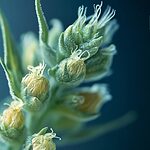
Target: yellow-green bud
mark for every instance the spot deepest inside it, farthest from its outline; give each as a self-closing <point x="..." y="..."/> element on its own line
<point x="35" y="84"/>
<point x="44" y="141"/>
<point x="12" y="121"/>
<point x="72" y="70"/>
<point x="13" y="116"/>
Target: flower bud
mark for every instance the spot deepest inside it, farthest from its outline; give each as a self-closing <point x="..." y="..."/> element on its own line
<point x="42" y="140"/>
<point x="12" y="120"/>
<point x="90" y="102"/>
<point x="94" y="98"/>
<point x="88" y="33"/>
<point x="34" y="84"/>
<point x="72" y="70"/>
<point x="87" y="100"/>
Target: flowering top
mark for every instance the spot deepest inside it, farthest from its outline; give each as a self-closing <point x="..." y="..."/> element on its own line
<point x="81" y="53"/>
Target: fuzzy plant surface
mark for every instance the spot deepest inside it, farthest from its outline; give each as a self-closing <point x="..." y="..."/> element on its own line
<point x="45" y="78"/>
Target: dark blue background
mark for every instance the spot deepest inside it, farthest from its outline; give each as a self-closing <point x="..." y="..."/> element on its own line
<point x="129" y="82"/>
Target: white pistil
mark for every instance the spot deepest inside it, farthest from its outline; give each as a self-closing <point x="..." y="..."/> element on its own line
<point x="38" y="70"/>
<point x="97" y="13"/>
<point x="52" y="135"/>
<point x="107" y="16"/>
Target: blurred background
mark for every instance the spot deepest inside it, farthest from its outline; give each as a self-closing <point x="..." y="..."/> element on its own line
<point x="129" y="82"/>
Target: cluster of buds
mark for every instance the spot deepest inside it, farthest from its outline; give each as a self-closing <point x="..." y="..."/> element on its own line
<point x="81" y="53"/>
<point x="84" y="50"/>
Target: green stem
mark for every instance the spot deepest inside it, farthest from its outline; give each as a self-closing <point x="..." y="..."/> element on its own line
<point x="14" y="146"/>
<point x="36" y="120"/>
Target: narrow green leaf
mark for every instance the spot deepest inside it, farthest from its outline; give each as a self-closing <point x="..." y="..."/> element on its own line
<point x="43" y="27"/>
<point x="11" y="58"/>
<point x="11" y="82"/>
<point x="48" y="53"/>
<point x="43" y="131"/>
<point x="75" y="115"/>
<point x="88" y="133"/>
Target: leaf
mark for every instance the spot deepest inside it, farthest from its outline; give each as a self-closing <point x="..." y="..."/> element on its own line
<point x="43" y="131"/>
<point x="43" y="27"/>
<point x="74" y="115"/>
<point x="109" y="31"/>
<point x="88" y="133"/>
<point x="14" y="92"/>
<point x="11" y="58"/>
<point x="47" y="52"/>
<point x="61" y="54"/>
<point x="98" y="66"/>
